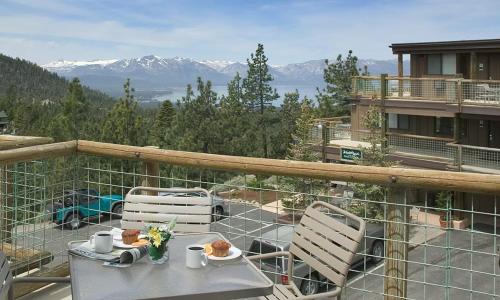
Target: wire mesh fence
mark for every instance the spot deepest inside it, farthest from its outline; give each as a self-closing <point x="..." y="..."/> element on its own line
<point x="421" y="145"/>
<point x="472" y="156"/>
<point x="481" y="92"/>
<point x="50" y="202"/>
<point x="430" y="89"/>
<point x="438" y="89"/>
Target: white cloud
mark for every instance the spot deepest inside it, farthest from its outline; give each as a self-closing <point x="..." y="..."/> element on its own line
<point x="302" y="30"/>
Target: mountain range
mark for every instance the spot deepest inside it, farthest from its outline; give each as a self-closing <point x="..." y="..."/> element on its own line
<point x="153" y="73"/>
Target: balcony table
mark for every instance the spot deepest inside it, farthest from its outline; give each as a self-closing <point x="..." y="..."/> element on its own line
<point x="237" y="278"/>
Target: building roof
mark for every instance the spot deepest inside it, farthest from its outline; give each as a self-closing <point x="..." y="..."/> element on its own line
<point x="3" y="114"/>
<point x="447" y="46"/>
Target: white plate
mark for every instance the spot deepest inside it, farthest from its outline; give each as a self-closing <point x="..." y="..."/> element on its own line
<point x="120" y="244"/>
<point x="233" y="253"/>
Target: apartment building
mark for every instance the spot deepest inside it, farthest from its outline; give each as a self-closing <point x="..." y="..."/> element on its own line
<point x="445" y="115"/>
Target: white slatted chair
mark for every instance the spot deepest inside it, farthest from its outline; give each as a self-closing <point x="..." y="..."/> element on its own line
<point x="7" y="282"/>
<point x="194" y="214"/>
<point x="324" y="243"/>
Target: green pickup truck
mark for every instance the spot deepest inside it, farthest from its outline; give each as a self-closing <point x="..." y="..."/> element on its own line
<point x="77" y="205"/>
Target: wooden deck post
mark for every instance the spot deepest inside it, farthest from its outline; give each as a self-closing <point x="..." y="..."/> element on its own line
<point x="6" y="204"/>
<point x="396" y="246"/>
<point x="151" y="172"/>
<point x="383" y="93"/>
<point x="400" y="75"/>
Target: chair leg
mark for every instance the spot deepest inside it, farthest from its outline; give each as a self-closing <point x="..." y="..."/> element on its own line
<point x="10" y="295"/>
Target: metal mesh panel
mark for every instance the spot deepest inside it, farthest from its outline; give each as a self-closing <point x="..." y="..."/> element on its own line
<point x="480" y="157"/>
<point x="481" y="92"/>
<point x="422" y="88"/>
<point x="367" y="86"/>
<point x="432" y="89"/>
<point x="457" y="261"/>
<point x="421" y="145"/>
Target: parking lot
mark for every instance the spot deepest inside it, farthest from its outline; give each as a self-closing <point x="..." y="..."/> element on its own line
<point x="427" y="267"/>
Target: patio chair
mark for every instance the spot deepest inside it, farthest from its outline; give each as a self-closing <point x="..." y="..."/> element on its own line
<point x="192" y="207"/>
<point x="7" y="282"/>
<point x="326" y="244"/>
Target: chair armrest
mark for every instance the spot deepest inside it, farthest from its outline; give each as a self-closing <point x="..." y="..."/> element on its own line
<point x="274" y="254"/>
<point x="269" y="255"/>
<point x="333" y="293"/>
<point x="10" y="295"/>
<point x="41" y="279"/>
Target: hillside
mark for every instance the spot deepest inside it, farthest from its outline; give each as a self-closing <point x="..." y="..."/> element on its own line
<point x="34" y="83"/>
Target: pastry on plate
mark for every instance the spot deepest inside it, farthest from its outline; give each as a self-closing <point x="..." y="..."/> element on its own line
<point x="208" y="249"/>
<point x="140" y="243"/>
<point x="220" y="248"/>
<point x="130" y="236"/>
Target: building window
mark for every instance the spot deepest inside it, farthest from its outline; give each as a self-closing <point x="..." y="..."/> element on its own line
<point x="442" y="64"/>
<point x="434" y="64"/>
<point x="449" y="64"/>
<point x="392" y="121"/>
<point x="403" y="122"/>
<point x="443" y="126"/>
<point x="397" y="121"/>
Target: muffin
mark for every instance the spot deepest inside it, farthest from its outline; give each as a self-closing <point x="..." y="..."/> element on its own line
<point x="220" y="248"/>
<point x="130" y="236"/>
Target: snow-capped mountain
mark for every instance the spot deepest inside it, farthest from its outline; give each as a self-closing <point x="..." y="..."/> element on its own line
<point x="66" y="65"/>
<point x="218" y="65"/>
<point x="152" y="72"/>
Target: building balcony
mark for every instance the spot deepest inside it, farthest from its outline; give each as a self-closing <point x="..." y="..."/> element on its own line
<point x="418" y="259"/>
<point x="452" y="91"/>
<point x="412" y="150"/>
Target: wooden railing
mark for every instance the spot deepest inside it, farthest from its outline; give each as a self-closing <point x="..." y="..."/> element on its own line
<point x="441" y="89"/>
<point x="398" y="181"/>
<point x="421" y="145"/>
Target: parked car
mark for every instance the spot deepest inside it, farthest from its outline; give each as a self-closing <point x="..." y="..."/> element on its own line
<point x="308" y="280"/>
<point x="219" y="205"/>
<point x="77" y="205"/>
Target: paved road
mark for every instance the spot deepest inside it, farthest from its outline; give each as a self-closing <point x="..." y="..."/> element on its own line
<point x="427" y="268"/>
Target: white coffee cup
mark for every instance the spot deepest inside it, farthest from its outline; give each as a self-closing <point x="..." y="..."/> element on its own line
<point x="196" y="257"/>
<point x="102" y="242"/>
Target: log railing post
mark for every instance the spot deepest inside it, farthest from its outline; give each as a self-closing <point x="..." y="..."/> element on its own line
<point x="400" y="75"/>
<point x="396" y="246"/>
<point x="383" y="95"/>
<point x="151" y="174"/>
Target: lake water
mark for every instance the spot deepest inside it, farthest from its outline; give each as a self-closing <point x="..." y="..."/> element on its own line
<point x="179" y="92"/>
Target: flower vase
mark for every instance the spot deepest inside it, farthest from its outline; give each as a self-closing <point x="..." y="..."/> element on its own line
<point x="158" y="255"/>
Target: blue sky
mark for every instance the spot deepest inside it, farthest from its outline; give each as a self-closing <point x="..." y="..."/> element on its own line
<point x="292" y="31"/>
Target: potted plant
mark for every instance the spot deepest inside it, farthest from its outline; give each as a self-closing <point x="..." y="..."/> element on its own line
<point x="443" y="203"/>
<point x="158" y="237"/>
<point x="443" y="220"/>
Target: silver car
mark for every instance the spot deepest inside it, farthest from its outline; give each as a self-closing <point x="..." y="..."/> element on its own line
<point x="219" y="205"/>
<point x="307" y="279"/>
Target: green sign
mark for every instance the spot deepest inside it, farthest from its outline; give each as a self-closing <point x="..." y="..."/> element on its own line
<point x="347" y="154"/>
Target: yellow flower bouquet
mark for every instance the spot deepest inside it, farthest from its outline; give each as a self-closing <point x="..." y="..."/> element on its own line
<point x="158" y="237"/>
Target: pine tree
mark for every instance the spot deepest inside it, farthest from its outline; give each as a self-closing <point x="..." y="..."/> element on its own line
<point x="237" y="134"/>
<point x="162" y="124"/>
<point x="194" y="127"/>
<point x="258" y="92"/>
<point x="300" y="150"/>
<point x="290" y="112"/>
<point x="123" y="124"/>
<point x="373" y="155"/>
<point x="334" y="99"/>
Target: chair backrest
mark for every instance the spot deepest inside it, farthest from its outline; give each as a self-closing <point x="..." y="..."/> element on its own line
<point x="192" y="207"/>
<point x="327" y="239"/>
<point x="5" y="276"/>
